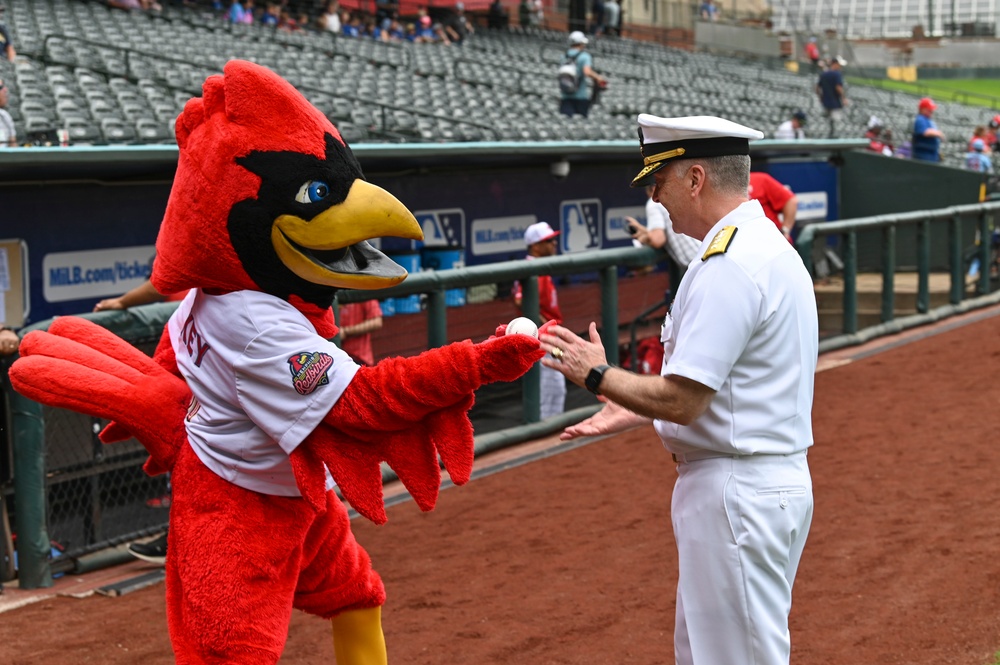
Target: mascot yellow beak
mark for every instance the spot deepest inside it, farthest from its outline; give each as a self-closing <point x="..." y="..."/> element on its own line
<point x="331" y="248"/>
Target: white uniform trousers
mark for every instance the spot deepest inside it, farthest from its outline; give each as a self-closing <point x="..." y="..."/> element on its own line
<point x="553" y="392"/>
<point x="740" y="524"/>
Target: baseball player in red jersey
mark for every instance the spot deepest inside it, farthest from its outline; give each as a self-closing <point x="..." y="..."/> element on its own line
<point x="774" y="198"/>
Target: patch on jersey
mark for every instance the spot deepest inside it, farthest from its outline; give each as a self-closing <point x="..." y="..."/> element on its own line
<point x="720" y="243"/>
<point x="309" y="370"/>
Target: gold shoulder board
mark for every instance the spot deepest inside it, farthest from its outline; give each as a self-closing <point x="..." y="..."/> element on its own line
<point x="720" y="243"/>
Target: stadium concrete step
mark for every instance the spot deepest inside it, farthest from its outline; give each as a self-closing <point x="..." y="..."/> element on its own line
<point x="830" y="298"/>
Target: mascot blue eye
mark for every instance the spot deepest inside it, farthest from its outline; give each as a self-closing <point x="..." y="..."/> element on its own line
<point x="312" y="191"/>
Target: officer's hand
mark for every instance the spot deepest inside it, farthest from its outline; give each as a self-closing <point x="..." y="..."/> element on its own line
<point x="573" y="356"/>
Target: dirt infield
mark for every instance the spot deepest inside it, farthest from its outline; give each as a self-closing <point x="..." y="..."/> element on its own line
<point x="571" y="560"/>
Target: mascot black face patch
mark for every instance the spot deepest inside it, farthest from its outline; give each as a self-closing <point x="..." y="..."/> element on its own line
<point x="292" y="183"/>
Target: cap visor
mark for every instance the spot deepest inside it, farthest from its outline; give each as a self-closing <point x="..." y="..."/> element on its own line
<point x="646" y="176"/>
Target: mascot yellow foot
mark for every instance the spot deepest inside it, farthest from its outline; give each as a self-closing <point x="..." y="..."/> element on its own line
<point x="358" y="639"/>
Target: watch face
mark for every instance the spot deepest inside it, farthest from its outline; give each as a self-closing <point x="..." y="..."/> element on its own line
<point x="593" y="380"/>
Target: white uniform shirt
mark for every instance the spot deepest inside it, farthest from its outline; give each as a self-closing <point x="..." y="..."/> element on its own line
<point x="744" y="324"/>
<point x="787" y="131"/>
<point x="682" y="249"/>
<point x="7" y="129"/>
<point x="263" y="379"/>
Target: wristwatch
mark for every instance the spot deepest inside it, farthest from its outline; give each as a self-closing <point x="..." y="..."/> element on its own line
<point x="593" y="380"/>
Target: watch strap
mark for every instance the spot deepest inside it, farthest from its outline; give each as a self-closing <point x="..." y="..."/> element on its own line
<point x="594" y="378"/>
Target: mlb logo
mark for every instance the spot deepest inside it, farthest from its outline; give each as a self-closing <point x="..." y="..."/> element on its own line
<point x="581" y="225"/>
<point x="442" y="228"/>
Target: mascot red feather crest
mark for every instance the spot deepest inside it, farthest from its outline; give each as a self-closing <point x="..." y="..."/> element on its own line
<point x="256" y="414"/>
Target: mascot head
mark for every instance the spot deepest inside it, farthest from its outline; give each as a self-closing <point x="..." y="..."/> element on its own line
<point x="268" y="197"/>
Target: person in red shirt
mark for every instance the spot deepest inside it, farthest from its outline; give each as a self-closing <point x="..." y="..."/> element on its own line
<point x="774" y="198"/>
<point x="543" y="241"/>
<point x="357" y="321"/>
<point x="812" y="52"/>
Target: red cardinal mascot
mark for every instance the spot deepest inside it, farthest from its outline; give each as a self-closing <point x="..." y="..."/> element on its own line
<point x="256" y="414"/>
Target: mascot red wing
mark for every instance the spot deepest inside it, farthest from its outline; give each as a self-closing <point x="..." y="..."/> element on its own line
<point x="245" y="401"/>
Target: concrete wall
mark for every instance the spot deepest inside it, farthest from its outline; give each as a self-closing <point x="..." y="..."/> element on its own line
<point x="736" y="38"/>
<point x="970" y="53"/>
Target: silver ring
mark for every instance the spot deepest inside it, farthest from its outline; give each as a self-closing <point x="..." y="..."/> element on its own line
<point x="557" y="353"/>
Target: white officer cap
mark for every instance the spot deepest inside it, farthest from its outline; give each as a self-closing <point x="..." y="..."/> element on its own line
<point x="663" y="139"/>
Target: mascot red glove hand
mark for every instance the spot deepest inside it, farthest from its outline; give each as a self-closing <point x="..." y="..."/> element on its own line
<point x="407" y="424"/>
<point x="502" y="328"/>
<point x="81" y="366"/>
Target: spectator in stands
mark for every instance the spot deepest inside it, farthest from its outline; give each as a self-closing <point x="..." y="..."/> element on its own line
<point x="926" y="135"/>
<point x="659" y="232"/>
<point x="793" y="128"/>
<point x="832" y="95"/>
<point x="497" y="17"/>
<point x="6" y="43"/>
<point x="352" y="26"/>
<point x="357" y="322"/>
<point x="708" y="11"/>
<point x="8" y="132"/>
<point x="370" y="30"/>
<point x="779" y="203"/>
<point x="879" y="137"/>
<point x="977" y="159"/>
<point x="395" y="32"/>
<point x="991" y="134"/>
<point x="812" y="52"/>
<point x="578" y="101"/>
<point x="329" y="20"/>
<point x="524" y="14"/>
<point x="272" y="15"/>
<point x="237" y="13"/>
<point x="538" y="18"/>
<point x="542" y="241"/>
<point x="596" y="17"/>
<point x="458" y="27"/>
<point x="425" y="31"/>
<point x="980" y="132"/>
<point x="612" y="15"/>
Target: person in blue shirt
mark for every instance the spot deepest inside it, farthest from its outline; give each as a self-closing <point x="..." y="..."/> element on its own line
<point x="977" y="159"/>
<point x="708" y="11"/>
<point x="578" y="101"/>
<point x="830" y="88"/>
<point x="926" y="135"/>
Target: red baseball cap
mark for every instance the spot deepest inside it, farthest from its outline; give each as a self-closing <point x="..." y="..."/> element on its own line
<point x="927" y="103"/>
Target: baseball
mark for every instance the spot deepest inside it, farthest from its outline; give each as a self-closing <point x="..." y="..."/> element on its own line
<point x="522" y="325"/>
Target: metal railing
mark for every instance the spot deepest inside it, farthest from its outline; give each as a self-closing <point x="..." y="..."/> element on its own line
<point x="34" y="482"/>
<point x="435" y="283"/>
<point x="952" y="218"/>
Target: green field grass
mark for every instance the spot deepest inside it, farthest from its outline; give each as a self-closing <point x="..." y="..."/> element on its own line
<point x="975" y="92"/>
